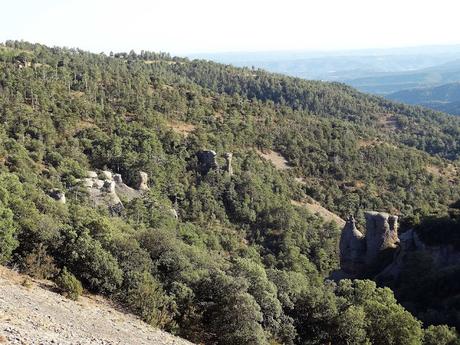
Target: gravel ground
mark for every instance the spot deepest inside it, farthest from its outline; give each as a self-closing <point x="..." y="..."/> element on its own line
<point x="36" y="315"/>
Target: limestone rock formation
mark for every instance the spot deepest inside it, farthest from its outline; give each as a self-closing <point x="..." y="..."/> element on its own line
<point x="142" y="181"/>
<point x="174" y="213"/>
<point x="109" y="190"/>
<point x="381" y="233"/>
<point x="107" y="175"/>
<point x="352" y="248"/>
<point x="207" y="161"/>
<point x="117" y="178"/>
<point x="91" y="174"/>
<point x="358" y="252"/>
<point x="228" y="163"/>
<point x="125" y="191"/>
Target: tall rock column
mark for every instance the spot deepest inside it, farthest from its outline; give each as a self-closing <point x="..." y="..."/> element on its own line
<point x="381" y="233"/>
<point x="228" y="163"/>
<point x="352" y="248"/>
<point x="142" y="181"/>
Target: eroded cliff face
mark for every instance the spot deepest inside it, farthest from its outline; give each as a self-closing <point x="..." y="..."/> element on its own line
<point x="352" y="248"/>
<point x="358" y="252"/>
<point x="361" y="253"/>
<point x="381" y="233"/>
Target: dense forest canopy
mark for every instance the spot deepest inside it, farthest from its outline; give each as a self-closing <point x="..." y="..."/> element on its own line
<point x="237" y="262"/>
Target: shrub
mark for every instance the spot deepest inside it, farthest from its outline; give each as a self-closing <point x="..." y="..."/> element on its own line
<point x="69" y="284"/>
<point x="39" y="264"/>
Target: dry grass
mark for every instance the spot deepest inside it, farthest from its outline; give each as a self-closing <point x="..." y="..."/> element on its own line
<point x="301" y="180"/>
<point x="315" y="208"/>
<point x="77" y="94"/>
<point x="276" y="159"/>
<point x="182" y="128"/>
<point x="450" y="172"/>
<point x="366" y="143"/>
<point x="387" y="121"/>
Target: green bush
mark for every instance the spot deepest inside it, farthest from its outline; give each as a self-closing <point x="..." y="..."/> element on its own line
<point x="69" y="284"/>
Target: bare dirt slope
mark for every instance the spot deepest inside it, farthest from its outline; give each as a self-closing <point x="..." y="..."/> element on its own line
<point x="36" y="315"/>
<point x="314" y="207"/>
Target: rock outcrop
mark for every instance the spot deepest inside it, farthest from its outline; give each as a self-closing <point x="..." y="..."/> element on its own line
<point x="365" y="255"/>
<point x="207" y="161"/>
<point x="228" y="163"/>
<point x="352" y="248"/>
<point x="107" y="175"/>
<point x="142" y="181"/>
<point x="381" y="233"/>
<point x="109" y="190"/>
<point x="358" y="252"/>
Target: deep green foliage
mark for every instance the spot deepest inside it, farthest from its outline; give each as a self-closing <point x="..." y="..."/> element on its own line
<point x="69" y="284"/>
<point x="240" y="264"/>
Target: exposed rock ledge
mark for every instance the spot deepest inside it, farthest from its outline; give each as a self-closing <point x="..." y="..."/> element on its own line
<point x="108" y="189"/>
<point x="360" y="253"/>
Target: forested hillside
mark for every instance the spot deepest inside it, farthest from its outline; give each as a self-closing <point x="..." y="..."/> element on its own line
<point x="213" y="256"/>
<point x="443" y="98"/>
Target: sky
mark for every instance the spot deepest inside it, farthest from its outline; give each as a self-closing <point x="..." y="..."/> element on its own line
<point x="184" y="27"/>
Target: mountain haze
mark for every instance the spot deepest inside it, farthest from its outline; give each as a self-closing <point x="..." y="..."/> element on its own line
<point x="444" y="98"/>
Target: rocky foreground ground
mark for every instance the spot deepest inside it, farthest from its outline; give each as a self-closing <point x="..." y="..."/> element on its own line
<point x="32" y="314"/>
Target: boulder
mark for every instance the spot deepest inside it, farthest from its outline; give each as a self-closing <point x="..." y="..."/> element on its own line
<point x="207" y="161"/>
<point x="88" y="182"/>
<point x="174" y="213"/>
<point x="109" y="186"/>
<point x="107" y="175"/>
<point x="142" y="181"/>
<point x="117" y="179"/>
<point x="91" y="174"/>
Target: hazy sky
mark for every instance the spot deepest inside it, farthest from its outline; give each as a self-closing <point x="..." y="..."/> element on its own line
<point x="181" y="26"/>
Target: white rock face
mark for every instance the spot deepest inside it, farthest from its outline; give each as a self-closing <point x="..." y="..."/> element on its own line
<point x="228" y="163"/>
<point x="91" y="174"/>
<point x="142" y="181"/>
<point x="381" y="233"/>
<point x="107" y="175"/>
<point x="109" y="191"/>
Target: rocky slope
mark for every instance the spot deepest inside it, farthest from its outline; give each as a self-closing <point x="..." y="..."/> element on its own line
<point x="33" y="314"/>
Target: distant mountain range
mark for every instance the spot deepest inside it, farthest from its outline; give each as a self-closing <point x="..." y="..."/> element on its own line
<point x="341" y="65"/>
<point x="444" y="98"/>
<point x="387" y="83"/>
<point x="427" y="76"/>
